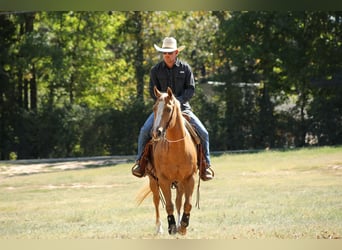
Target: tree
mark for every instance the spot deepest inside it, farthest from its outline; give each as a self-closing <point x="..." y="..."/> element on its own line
<point x="74" y="83"/>
<point x="7" y="92"/>
<point x="281" y="50"/>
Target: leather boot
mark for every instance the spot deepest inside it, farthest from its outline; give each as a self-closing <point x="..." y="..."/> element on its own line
<point x="137" y="170"/>
<point x="207" y="174"/>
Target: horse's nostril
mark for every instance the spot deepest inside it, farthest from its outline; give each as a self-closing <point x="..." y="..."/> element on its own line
<point x="157" y="133"/>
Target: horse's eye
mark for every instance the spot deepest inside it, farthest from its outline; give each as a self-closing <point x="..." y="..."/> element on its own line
<point x="168" y="109"/>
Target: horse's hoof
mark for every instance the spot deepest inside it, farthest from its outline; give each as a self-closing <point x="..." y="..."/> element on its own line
<point x="159" y="231"/>
<point x="172" y="229"/>
<point x="182" y="230"/>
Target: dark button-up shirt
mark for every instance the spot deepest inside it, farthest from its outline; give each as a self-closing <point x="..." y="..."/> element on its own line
<point x="179" y="78"/>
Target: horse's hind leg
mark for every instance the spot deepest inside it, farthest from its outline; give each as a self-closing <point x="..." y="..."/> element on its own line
<point x="188" y="190"/>
<point x="156" y="199"/>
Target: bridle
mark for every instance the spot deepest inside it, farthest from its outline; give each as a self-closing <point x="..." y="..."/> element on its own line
<point x="166" y="127"/>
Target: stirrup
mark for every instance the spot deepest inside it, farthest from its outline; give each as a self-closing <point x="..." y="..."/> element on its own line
<point x="207" y="175"/>
<point x="137" y="171"/>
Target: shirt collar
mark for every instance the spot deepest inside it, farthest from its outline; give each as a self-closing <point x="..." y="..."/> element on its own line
<point x="177" y="63"/>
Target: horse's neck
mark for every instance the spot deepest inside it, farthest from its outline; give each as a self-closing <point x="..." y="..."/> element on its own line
<point x="178" y="131"/>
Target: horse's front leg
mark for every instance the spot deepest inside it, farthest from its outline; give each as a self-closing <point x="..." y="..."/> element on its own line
<point x="156" y="200"/>
<point x="165" y="186"/>
<point x="188" y="190"/>
<point x="179" y="199"/>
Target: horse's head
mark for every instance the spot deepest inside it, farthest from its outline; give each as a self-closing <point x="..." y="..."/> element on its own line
<point x="164" y="113"/>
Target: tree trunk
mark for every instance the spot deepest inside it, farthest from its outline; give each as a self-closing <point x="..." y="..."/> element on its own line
<point x="26" y="97"/>
<point x="33" y="89"/>
<point x="20" y="89"/>
<point x="139" y="59"/>
<point x="71" y="84"/>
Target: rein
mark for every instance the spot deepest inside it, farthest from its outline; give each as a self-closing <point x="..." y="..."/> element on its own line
<point x="169" y="141"/>
<point x="167" y="126"/>
<point x="168" y="122"/>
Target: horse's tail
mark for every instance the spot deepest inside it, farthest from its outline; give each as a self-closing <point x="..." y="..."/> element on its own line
<point x="144" y="192"/>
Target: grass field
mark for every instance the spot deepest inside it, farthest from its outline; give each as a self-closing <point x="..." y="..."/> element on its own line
<point x="293" y="194"/>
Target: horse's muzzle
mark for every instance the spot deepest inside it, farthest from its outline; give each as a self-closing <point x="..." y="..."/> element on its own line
<point x="158" y="134"/>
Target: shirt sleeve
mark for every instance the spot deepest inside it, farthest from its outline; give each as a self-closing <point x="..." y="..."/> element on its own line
<point x="189" y="85"/>
<point x="153" y="82"/>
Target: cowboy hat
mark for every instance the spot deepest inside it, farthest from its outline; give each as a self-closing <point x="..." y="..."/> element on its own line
<point x="169" y="45"/>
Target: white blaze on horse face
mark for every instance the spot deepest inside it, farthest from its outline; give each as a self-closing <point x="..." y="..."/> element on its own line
<point x="159" y="112"/>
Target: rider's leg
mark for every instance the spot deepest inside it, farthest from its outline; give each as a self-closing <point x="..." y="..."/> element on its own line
<point x="202" y="132"/>
<point x="204" y="136"/>
<point x="144" y="137"/>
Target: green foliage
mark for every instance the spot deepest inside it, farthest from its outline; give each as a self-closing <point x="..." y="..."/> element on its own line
<point x="112" y="132"/>
<point x="75" y="83"/>
<point x="326" y="116"/>
<point x="280" y="51"/>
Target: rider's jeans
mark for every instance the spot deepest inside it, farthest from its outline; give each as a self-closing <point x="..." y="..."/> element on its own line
<point x="145" y="134"/>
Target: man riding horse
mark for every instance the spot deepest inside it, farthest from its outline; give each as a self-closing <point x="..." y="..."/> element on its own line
<point x="176" y="74"/>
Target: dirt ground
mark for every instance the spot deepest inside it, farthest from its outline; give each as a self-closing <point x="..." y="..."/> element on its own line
<point x="26" y="167"/>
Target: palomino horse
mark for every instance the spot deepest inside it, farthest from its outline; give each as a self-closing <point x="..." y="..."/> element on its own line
<point x="174" y="160"/>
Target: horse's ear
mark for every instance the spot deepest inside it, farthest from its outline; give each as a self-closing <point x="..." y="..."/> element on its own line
<point x="156" y="92"/>
<point x="169" y="92"/>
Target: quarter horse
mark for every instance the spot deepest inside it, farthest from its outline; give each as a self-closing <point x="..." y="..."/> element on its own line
<point x="174" y="160"/>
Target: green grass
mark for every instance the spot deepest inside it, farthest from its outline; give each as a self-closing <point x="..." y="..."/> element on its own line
<point x="268" y="195"/>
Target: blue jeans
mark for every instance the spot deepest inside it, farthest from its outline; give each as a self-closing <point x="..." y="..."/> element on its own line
<point x="145" y="134"/>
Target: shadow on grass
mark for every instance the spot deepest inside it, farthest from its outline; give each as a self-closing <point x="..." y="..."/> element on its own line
<point x="30" y="167"/>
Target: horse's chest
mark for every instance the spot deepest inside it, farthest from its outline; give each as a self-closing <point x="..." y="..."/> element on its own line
<point x="174" y="160"/>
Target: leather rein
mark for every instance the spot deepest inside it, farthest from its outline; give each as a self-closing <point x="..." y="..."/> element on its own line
<point x="166" y="127"/>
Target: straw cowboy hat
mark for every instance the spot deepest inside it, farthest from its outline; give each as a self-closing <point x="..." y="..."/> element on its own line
<point x="169" y="45"/>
